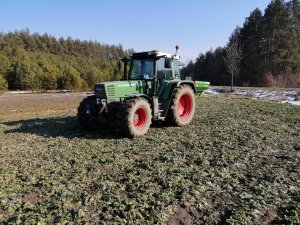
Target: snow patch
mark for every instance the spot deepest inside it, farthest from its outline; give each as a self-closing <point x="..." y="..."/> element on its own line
<point x="212" y="91"/>
<point x="18" y="92"/>
<point x="268" y="95"/>
<point x="296" y="103"/>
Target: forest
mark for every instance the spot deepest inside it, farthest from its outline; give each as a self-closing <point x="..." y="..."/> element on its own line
<point x="270" y="56"/>
<point x="43" y="62"/>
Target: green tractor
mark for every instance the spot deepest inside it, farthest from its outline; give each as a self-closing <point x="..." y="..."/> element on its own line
<point x="151" y="91"/>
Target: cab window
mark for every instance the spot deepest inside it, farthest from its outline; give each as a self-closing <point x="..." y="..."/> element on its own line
<point x="176" y="69"/>
<point x="142" y="69"/>
<point x="162" y="72"/>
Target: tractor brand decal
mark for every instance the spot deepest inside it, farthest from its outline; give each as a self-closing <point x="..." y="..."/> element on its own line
<point x="130" y="85"/>
<point x="126" y="85"/>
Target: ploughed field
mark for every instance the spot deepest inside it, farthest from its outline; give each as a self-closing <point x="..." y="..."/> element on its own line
<point x="237" y="163"/>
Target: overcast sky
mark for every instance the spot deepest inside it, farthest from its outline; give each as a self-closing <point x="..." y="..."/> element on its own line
<point x="196" y="25"/>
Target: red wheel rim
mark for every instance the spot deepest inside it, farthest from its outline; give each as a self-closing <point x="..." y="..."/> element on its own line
<point x="139" y="118"/>
<point x="185" y="106"/>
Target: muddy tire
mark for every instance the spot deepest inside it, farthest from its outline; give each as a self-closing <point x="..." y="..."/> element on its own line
<point x="182" y="108"/>
<point x="86" y="114"/>
<point x="137" y="117"/>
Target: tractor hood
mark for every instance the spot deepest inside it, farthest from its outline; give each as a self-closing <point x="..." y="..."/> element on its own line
<point x="119" y="89"/>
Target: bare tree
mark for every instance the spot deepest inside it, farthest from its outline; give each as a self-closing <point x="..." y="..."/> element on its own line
<point x="233" y="59"/>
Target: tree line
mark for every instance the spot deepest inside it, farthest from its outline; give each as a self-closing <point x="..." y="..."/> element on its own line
<point x="270" y="44"/>
<point x="43" y="62"/>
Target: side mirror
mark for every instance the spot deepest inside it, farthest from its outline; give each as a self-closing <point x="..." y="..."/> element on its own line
<point x="168" y="63"/>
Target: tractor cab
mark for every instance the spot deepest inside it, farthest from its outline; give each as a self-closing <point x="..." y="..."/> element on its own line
<point x="154" y="65"/>
<point x="154" y="69"/>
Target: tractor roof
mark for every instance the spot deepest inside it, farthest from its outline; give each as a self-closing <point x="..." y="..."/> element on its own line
<point x="153" y="53"/>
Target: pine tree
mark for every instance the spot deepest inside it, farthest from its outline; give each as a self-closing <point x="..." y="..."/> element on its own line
<point x="188" y="71"/>
<point x="251" y="38"/>
<point x="280" y="40"/>
<point x="3" y="83"/>
<point x="294" y="7"/>
<point x="69" y="79"/>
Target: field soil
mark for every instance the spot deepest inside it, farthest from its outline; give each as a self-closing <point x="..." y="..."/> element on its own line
<point x="26" y="105"/>
<point x="236" y="163"/>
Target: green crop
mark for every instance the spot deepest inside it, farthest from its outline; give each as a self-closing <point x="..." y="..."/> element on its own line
<point x="236" y="163"/>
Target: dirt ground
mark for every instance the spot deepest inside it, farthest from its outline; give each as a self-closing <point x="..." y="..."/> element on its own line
<point x="28" y="105"/>
<point x="22" y="106"/>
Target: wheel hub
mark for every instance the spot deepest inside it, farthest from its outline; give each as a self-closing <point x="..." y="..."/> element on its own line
<point x="185" y="106"/>
<point x="139" y="118"/>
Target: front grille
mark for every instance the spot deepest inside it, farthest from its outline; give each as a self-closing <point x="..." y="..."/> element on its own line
<point x="100" y="91"/>
<point x="110" y="90"/>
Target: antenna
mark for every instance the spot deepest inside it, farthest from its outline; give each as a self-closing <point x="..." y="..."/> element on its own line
<point x="176" y="47"/>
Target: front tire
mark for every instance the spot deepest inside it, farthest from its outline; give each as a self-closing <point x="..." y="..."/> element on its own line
<point x="137" y="119"/>
<point x="182" y="109"/>
<point x="86" y="114"/>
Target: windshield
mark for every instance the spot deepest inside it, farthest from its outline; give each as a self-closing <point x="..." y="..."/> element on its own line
<point x="142" y="69"/>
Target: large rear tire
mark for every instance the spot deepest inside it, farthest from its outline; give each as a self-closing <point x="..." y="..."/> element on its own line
<point x="182" y="108"/>
<point x="137" y="118"/>
<point x="86" y="114"/>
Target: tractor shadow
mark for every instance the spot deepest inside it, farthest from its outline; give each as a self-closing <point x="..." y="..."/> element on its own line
<point x="160" y="124"/>
<point x="66" y="127"/>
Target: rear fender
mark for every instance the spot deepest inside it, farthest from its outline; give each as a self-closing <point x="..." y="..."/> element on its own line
<point x="188" y="82"/>
<point x="168" y="89"/>
<point x="166" y="96"/>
